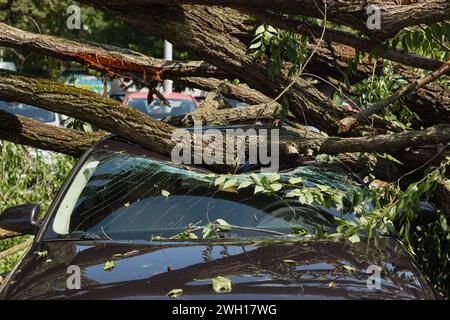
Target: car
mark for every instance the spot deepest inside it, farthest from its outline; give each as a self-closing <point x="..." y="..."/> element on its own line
<point x="90" y="83"/>
<point x="179" y="104"/>
<point x="35" y="113"/>
<point x="130" y="224"/>
<point x="8" y="65"/>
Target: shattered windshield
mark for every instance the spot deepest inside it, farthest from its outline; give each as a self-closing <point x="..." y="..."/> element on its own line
<point x="125" y="197"/>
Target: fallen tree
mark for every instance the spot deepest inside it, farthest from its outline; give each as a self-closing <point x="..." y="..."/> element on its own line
<point x="110" y="115"/>
<point x="394" y="16"/>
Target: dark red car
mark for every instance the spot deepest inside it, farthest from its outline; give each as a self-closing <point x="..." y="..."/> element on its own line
<point x="128" y="224"/>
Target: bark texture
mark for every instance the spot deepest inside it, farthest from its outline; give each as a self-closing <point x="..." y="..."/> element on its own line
<point x="23" y="130"/>
<point x="394" y="15"/>
<point x="103" y="57"/>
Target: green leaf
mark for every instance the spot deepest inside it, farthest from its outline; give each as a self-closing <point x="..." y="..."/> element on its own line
<point x="222" y="225"/>
<point x="260" y="29"/>
<point x="245" y="184"/>
<point x="175" y="293"/>
<point x="273" y="177"/>
<point x="271" y="29"/>
<point x="259" y="189"/>
<point x="348" y="268"/>
<point x="221" y="284"/>
<point x="255" y="45"/>
<point x="290" y="262"/>
<point x="294" y="193"/>
<point x="222" y="222"/>
<point x="276" y="186"/>
<point x="109" y="265"/>
<point x="354" y="238"/>
<point x="207" y="230"/>
<point x="295" y="180"/>
<point x="230" y="183"/>
<point x="165" y="193"/>
<point x="255" y="179"/>
<point x="220" y="180"/>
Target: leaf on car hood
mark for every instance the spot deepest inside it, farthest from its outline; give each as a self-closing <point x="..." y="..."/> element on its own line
<point x="221" y="284"/>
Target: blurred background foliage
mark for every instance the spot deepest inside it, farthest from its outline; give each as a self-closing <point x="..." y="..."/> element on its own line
<point x="28" y="175"/>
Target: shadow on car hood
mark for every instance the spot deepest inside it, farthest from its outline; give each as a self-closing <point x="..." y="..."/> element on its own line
<point x="260" y="270"/>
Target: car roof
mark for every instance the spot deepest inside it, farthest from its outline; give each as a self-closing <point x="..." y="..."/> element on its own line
<point x="173" y="95"/>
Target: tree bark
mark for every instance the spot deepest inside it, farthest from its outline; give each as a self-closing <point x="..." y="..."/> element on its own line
<point x="103" y="57"/>
<point x="239" y="92"/>
<point x="352" y="13"/>
<point x="23" y="130"/>
<point x="220" y="36"/>
<point x="21" y="246"/>
<point x="4" y="234"/>
<point x="346" y="38"/>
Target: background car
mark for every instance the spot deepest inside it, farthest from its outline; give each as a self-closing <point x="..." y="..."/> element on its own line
<point x="35" y="113"/>
<point x="179" y="104"/>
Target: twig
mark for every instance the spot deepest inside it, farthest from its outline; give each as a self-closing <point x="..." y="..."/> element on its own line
<point x="347" y="123"/>
<point x="17" y="248"/>
<point x="305" y="64"/>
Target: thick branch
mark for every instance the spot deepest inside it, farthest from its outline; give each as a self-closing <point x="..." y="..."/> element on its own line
<point x="240" y="92"/>
<point x="220" y="36"/>
<point x="102" y="112"/>
<point x="250" y="114"/>
<point x="394" y="16"/>
<point x="29" y="132"/>
<point x="102" y="57"/>
<point x="361" y="44"/>
<point x="388" y="142"/>
<point x="156" y="135"/>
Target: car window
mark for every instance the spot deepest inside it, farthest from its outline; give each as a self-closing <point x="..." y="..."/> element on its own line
<point x="129" y="197"/>
<point x="28" y="111"/>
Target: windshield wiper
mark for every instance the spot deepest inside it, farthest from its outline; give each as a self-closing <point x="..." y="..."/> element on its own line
<point x="196" y="228"/>
<point x="83" y="235"/>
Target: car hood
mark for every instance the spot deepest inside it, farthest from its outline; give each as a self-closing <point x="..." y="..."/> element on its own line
<point x="258" y="270"/>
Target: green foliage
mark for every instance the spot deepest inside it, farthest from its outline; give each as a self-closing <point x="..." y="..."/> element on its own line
<point x="379" y="87"/>
<point x="109" y="265"/>
<point x="428" y="245"/>
<point x="276" y="47"/>
<point x="431" y="40"/>
<point x="221" y="284"/>
<point x="28" y="176"/>
<point x="174" y="293"/>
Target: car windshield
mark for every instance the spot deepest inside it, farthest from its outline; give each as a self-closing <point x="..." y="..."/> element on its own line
<point x="158" y="110"/>
<point x="28" y="111"/>
<point x="125" y="197"/>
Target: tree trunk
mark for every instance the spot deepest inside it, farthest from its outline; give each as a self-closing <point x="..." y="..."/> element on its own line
<point x="23" y="130"/>
<point x="352" y="13"/>
<point x="220" y="36"/>
<point x="103" y="57"/>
